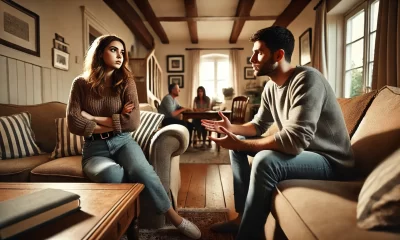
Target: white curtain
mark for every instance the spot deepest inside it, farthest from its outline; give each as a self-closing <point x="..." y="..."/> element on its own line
<point x="194" y="74"/>
<point x="234" y="70"/>
<point x="387" y="46"/>
<point x="319" y="49"/>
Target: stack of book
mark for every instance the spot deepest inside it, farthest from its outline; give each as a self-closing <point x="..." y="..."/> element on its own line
<point x="30" y="210"/>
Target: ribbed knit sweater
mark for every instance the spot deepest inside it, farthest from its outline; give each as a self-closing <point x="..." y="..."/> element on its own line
<point x="82" y="98"/>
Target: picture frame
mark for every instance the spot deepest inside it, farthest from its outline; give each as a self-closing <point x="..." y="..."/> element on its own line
<point x="176" y="79"/>
<point x="305" y="45"/>
<point x="59" y="37"/>
<point x="61" y="46"/>
<point x="175" y="63"/>
<point x="248" y="60"/>
<point x="249" y="73"/>
<point x="60" y="59"/>
<point x="19" y="28"/>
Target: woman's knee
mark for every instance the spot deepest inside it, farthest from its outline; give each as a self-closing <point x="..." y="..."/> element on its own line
<point x="104" y="172"/>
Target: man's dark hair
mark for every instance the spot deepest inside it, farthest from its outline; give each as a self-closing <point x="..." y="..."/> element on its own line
<point x="171" y="86"/>
<point x="276" y="38"/>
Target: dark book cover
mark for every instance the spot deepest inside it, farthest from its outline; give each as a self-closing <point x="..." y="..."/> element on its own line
<point x="26" y="206"/>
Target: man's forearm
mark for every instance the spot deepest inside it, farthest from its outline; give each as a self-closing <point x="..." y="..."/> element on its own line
<point x="259" y="144"/>
<point x="177" y="112"/>
<point x="104" y="121"/>
<point x="247" y="129"/>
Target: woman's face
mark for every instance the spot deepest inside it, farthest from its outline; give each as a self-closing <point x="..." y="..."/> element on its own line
<point x="113" y="55"/>
<point x="200" y="93"/>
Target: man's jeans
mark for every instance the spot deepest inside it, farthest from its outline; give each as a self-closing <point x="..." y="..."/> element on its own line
<point x="120" y="159"/>
<point x="254" y="185"/>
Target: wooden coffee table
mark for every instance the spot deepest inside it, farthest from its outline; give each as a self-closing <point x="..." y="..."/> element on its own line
<point x="107" y="211"/>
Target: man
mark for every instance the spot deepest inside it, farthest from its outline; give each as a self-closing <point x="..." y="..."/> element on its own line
<point x="171" y="109"/>
<point x="312" y="141"/>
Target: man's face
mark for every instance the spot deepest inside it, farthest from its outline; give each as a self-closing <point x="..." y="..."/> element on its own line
<point x="175" y="91"/>
<point x="262" y="60"/>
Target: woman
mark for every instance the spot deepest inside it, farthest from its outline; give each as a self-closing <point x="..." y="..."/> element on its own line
<point x="201" y="103"/>
<point x="103" y="107"/>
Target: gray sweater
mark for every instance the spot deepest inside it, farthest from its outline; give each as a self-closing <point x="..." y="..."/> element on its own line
<point x="308" y="116"/>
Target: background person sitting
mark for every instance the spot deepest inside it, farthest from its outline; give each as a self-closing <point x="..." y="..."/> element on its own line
<point x="201" y="103"/>
<point x="171" y="109"/>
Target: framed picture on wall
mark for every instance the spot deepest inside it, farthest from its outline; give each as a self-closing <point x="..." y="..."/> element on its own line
<point x="19" y="28"/>
<point x="176" y="79"/>
<point x="175" y="63"/>
<point x="305" y="47"/>
<point x="60" y="59"/>
<point x="249" y="73"/>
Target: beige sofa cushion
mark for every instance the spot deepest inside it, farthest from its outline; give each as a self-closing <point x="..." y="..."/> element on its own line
<point x="42" y="116"/>
<point x="378" y="134"/>
<point x="67" y="144"/>
<point x="311" y="209"/>
<point x="379" y="199"/>
<point x="353" y="109"/>
<point x="17" y="170"/>
<point x="67" y="169"/>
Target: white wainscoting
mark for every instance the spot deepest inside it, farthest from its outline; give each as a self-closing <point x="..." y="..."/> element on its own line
<point x="23" y="83"/>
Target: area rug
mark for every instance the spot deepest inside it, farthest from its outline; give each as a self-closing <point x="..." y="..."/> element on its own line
<point x="205" y="155"/>
<point x="203" y="218"/>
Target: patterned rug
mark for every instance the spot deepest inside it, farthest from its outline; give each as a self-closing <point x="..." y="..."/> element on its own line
<point x="203" y="218"/>
<point x="205" y="154"/>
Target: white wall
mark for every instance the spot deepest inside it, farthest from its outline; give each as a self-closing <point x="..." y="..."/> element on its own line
<point x="65" y="18"/>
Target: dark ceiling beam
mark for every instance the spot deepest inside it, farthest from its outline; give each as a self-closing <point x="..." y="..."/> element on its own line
<point x="197" y="19"/>
<point x="243" y="10"/>
<point x="129" y="16"/>
<point x="191" y="11"/>
<point x="290" y="13"/>
<point x="145" y="7"/>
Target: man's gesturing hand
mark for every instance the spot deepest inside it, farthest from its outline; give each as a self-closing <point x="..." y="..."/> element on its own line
<point x="214" y="126"/>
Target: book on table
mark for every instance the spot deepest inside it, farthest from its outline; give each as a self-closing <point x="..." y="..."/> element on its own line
<point x="30" y="210"/>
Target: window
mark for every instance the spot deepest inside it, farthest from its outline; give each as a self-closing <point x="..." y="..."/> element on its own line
<point x="214" y="74"/>
<point x="360" y="33"/>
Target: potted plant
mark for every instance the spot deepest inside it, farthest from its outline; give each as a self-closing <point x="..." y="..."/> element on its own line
<point x="228" y="93"/>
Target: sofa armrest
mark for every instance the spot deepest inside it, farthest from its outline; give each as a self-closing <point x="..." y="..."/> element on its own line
<point x="165" y="147"/>
<point x="168" y="142"/>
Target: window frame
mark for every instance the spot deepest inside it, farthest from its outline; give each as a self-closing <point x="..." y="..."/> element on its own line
<point x="214" y="58"/>
<point x="365" y="5"/>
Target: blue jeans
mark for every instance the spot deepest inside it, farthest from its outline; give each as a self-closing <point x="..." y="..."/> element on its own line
<point x="253" y="185"/>
<point x="120" y="159"/>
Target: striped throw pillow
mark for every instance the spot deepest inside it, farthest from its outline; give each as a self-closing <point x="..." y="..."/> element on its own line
<point x="17" y="139"/>
<point x="67" y="144"/>
<point x="149" y="123"/>
<point x="379" y="200"/>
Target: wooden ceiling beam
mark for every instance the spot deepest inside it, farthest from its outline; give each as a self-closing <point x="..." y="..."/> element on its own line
<point x="145" y="7"/>
<point x="129" y="16"/>
<point x="290" y="13"/>
<point x="205" y="19"/>
<point x="191" y="12"/>
<point x="243" y="10"/>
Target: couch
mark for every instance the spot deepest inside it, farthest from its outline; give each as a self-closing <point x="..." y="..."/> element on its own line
<point x="311" y="209"/>
<point x="165" y="147"/>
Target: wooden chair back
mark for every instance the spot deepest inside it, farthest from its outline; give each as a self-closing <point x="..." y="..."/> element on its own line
<point x="239" y="105"/>
<point x="156" y="103"/>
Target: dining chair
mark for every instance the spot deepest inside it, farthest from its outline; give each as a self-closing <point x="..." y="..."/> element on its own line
<point x="156" y="103"/>
<point x="239" y="106"/>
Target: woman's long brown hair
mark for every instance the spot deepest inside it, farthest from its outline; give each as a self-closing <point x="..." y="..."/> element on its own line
<point x="94" y="67"/>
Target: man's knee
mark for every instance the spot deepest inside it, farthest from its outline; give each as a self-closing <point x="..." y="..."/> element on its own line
<point x="266" y="160"/>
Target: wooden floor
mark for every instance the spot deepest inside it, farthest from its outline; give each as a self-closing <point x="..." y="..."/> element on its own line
<point x="207" y="186"/>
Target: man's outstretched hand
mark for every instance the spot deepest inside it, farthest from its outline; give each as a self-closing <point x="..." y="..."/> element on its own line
<point x="229" y="141"/>
<point x="214" y="126"/>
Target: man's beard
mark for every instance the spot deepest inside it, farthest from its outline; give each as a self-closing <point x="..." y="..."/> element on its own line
<point x="268" y="68"/>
